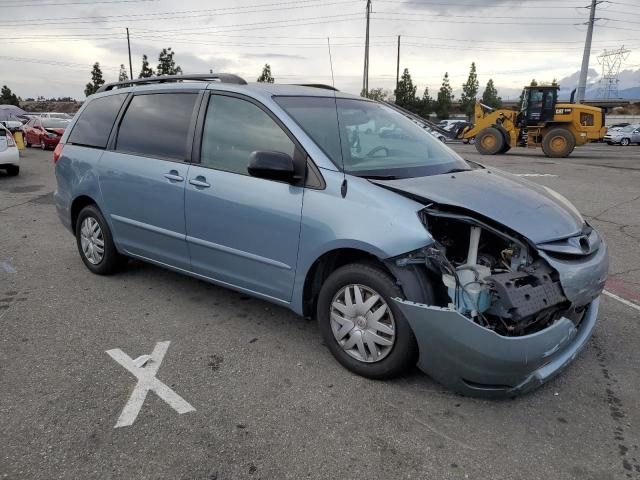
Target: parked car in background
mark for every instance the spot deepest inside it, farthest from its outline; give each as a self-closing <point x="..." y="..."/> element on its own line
<point x="448" y="123"/>
<point x="9" y="157"/>
<point x="624" y="136"/>
<point x="12" y="124"/>
<point x="44" y="132"/>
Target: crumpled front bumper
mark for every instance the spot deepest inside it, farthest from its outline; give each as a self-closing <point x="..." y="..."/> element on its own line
<point x="473" y="360"/>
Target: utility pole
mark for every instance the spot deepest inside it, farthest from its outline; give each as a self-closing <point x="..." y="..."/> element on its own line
<point x="398" y="65"/>
<point x="582" y="83"/>
<point x="365" y="77"/>
<point x="129" y="47"/>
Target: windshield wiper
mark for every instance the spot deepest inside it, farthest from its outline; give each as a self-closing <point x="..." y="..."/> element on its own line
<point x="379" y="177"/>
<point x="457" y="170"/>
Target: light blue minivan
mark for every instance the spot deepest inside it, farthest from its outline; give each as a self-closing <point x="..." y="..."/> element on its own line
<point x="340" y="208"/>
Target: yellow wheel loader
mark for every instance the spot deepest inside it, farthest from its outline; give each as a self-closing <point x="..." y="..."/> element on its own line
<point x="542" y="122"/>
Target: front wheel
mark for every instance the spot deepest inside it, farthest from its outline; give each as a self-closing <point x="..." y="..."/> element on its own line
<point x="490" y="141"/>
<point x="43" y="145"/>
<point x="361" y="324"/>
<point x="95" y="242"/>
<point x="625" y="142"/>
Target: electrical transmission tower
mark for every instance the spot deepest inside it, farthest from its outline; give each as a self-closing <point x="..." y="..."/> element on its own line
<point x="611" y="61"/>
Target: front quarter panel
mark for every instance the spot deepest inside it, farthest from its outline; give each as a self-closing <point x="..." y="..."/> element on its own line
<point x="368" y="218"/>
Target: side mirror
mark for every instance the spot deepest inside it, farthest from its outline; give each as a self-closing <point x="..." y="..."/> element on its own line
<point x="272" y="166"/>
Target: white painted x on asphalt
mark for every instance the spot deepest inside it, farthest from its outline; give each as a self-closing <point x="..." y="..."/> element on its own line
<point x="147" y="381"/>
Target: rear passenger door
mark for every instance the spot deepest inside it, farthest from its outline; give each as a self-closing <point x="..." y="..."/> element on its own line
<point x="143" y="175"/>
<point x="242" y="231"/>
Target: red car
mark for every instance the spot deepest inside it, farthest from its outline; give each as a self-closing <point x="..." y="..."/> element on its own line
<point x="45" y="132"/>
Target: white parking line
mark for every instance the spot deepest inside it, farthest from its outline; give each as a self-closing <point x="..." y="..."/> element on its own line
<point x="7" y="267"/>
<point x="147" y="381"/>
<point x="622" y="300"/>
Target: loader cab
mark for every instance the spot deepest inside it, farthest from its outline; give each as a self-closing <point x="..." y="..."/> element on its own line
<point x="538" y="105"/>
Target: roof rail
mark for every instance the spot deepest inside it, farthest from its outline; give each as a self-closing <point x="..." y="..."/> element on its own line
<point x="317" y="85"/>
<point x="198" y="77"/>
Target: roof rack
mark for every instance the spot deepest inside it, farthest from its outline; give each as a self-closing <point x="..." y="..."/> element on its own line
<point x="317" y="85"/>
<point x="204" y="77"/>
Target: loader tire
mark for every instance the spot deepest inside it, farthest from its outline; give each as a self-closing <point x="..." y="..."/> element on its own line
<point x="505" y="149"/>
<point x="490" y="141"/>
<point x="558" y="143"/>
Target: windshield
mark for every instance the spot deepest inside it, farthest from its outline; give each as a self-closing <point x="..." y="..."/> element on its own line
<point x="372" y="140"/>
<point x="54" y="123"/>
<point x="629" y="128"/>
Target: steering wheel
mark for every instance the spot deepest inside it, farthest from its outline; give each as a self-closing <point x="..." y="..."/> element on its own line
<point x="380" y="148"/>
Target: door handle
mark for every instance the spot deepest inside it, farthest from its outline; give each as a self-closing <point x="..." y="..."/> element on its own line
<point x="199" y="181"/>
<point x="174" y="176"/>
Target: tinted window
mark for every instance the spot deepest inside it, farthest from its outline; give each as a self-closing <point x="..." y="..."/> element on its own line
<point x="157" y="125"/>
<point x="235" y="128"/>
<point x="94" y="125"/>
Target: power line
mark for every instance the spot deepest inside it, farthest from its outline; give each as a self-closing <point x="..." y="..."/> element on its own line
<point x="56" y="4"/>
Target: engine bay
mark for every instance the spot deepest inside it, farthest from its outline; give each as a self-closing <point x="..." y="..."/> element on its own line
<point x="491" y="276"/>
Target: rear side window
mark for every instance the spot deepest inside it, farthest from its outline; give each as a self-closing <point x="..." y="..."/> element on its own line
<point x="94" y="125"/>
<point x="157" y="125"/>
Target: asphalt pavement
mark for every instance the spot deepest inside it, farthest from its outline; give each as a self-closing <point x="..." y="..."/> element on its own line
<point x="268" y="399"/>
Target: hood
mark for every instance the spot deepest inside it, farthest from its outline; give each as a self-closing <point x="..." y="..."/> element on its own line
<point x="534" y="211"/>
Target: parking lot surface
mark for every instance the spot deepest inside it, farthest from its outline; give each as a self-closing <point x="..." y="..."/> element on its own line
<point x="270" y="401"/>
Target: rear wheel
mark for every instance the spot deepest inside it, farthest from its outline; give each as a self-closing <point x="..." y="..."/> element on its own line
<point x="361" y="324"/>
<point x="13" y="170"/>
<point x="625" y="142"/>
<point x="95" y="242"/>
<point x="490" y="141"/>
<point x="26" y="142"/>
<point x="558" y="142"/>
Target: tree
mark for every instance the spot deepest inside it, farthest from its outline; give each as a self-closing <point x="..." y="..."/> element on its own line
<point x="265" y="76"/>
<point x="425" y="104"/>
<point x="96" y="80"/>
<point x="406" y="91"/>
<point x="146" y="70"/>
<point x="122" y="76"/>
<point x="167" y="65"/>
<point x="378" y="94"/>
<point x="490" y="96"/>
<point x="445" y="98"/>
<point x="470" y="92"/>
<point x="7" y="97"/>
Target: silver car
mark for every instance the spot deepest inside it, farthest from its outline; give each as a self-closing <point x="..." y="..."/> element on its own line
<point x="624" y="136"/>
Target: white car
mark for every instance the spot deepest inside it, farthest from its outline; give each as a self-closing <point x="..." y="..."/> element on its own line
<point x="9" y="157"/>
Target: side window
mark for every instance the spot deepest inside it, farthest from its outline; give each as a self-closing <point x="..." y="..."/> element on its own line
<point x="157" y="125"/>
<point x="235" y="128"/>
<point x="94" y="125"/>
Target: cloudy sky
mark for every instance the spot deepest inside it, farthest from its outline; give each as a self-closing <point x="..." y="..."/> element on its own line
<point x="47" y="47"/>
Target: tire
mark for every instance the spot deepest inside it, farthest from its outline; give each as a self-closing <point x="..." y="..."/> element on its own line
<point x="558" y="143"/>
<point x="505" y="149"/>
<point x="26" y="142"/>
<point x="110" y="261"/>
<point x="393" y="359"/>
<point x="625" y="142"/>
<point x="43" y="145"/>
<point x="13" y="170"/>
<point x="490" y="141"/>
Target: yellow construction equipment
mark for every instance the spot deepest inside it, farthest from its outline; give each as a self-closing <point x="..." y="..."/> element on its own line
<point x="542" y="122"/>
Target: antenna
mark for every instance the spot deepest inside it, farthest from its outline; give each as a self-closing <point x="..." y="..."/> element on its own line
<point x="333" y="82"/>
<point x="343" y="188"/>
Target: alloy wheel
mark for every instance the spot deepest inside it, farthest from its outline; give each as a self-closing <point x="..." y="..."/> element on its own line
<point x="362" y="323"/>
